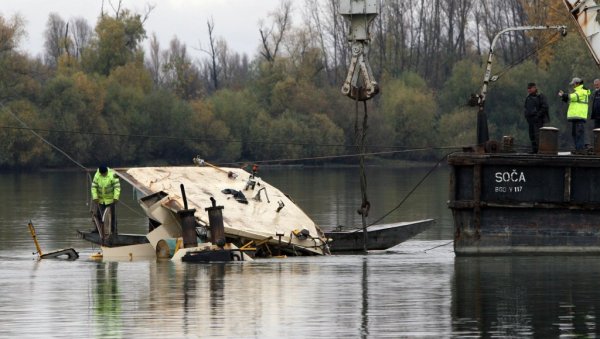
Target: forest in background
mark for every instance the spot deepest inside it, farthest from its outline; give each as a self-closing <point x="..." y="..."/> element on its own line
<point x="97" y="94"/>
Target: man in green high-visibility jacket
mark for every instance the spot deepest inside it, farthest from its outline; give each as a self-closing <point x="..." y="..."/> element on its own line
<point x="577" y="112"/>
<point x="106" y="190"/>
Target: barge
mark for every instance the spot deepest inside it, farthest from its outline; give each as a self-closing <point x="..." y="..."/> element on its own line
<point x="525" y="203"/>
<point x="516" y="203"/>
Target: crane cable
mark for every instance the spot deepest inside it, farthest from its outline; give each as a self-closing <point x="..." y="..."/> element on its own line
<point x="360" y="145"/>
<point x="437" y="164"/>
<point x="409" y="194"/>
<point x="87" y="171"/>
<point x="361" y="154"/>
<point x="198" y="139"/>
<point x="25" y="126"/>
<point x="550" y="41"/>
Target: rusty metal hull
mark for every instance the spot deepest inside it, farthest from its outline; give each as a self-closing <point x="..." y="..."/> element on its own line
<point x="525" y="204"/>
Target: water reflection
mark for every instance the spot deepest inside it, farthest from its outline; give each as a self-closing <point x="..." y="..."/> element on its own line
<point x="546" y="297"/>
<point x="365" y="301"/>
<point x="258" y="299"/>
<point x="107" y="301"/>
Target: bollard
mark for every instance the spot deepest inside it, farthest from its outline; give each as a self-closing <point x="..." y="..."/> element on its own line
<point x="597" y="141"/>
<point x="507" y="143"/>
<point x="548" y="140"/>
<point x="215" y="219"/>
<point x="188" y="223"/>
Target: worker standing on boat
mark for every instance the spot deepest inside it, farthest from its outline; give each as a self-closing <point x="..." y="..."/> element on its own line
<point x="595" y="104"/>
<point x="536" y="113"/>
<point x="578" y="111"/>
<point x="106" y="189"/>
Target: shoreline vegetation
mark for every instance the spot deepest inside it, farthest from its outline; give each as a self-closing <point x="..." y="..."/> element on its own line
<point x="101" y="95"/>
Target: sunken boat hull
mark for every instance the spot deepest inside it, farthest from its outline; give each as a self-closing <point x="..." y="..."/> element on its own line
<point x="525" y="203"/>
<point x="252" y="215"/>
<point x="379" y="237"/>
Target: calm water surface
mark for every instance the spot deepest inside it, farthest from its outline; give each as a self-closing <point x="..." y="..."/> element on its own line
<point x="417" y="289"/>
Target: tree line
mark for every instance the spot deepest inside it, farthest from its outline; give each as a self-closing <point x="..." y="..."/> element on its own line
<point x="97" y="94"/>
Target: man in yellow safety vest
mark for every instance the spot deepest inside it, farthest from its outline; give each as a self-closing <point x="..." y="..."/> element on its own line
<point x="578" y="111"/>
<point x="106" y="190"/>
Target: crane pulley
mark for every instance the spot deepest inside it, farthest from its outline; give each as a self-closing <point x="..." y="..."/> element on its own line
<point x="360" y="83"/>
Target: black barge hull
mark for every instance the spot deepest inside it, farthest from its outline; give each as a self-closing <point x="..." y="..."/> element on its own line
<point x="525" y="204"/>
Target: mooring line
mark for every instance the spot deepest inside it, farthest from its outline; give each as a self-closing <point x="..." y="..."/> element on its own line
<point x="446" y="244"/>
<point x="42" y="138"/>
<point x="87" y="171"/>
<point x="411" y="191"/>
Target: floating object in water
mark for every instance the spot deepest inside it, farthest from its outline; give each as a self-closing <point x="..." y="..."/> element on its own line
<point x="67" y="253"/>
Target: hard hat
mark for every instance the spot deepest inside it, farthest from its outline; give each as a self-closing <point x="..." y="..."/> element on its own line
<point x="575" y="80"/>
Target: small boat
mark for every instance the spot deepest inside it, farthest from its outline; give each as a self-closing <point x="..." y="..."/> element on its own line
<point x="379" y="237"/>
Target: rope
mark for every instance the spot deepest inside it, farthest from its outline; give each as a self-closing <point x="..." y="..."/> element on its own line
<point x="551" y="40"/>
<point x="411" y="191"/>
<point x="365" y="205"/>
<point x="132" y="209"/>
<point x="434" y="247"/>
<point x="408" y="194"/>
<point x="25" y="126"/>
<point x="87" y="171"/>
<point x="344" y="155"/>
<point x="169" y="137"/>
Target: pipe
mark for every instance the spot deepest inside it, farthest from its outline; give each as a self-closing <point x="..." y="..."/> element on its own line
<point x="185" y="204"/>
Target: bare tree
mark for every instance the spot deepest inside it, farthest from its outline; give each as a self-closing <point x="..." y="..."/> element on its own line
<point x="81" y="33"/>
<point x="54" y="39"/>
<point x="316" y="28"/>
<point x="154" y="63"/>
<point x="116" y="8"/>
<point x="180" y="73"/>
<point x="214" y="67"/>
<point x="272" y="37"/>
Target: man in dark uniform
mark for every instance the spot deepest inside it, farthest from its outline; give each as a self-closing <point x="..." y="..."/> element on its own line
<point x="536" y="113"/>
<point x="595" y="104"/>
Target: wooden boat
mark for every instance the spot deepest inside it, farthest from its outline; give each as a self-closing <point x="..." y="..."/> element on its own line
<point x="379" y="237"/>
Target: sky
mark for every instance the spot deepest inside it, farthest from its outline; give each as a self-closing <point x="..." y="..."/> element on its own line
<point x="237" y="21"/>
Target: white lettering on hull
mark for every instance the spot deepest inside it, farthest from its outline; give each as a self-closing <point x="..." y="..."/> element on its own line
<point x="508" y="182"/>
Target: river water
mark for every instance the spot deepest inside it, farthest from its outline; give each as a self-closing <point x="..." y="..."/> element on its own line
<point x="416" y="289"/>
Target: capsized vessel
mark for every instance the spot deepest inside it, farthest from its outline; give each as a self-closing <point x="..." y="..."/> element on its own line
<point x="253" y="213"/>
